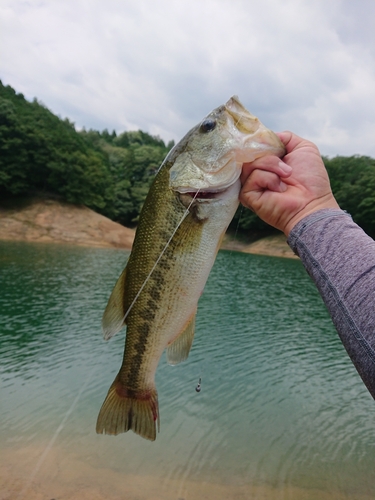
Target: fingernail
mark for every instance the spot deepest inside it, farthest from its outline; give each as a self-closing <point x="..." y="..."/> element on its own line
<point x="287" y="169"/>
<point x="283" y="187"/>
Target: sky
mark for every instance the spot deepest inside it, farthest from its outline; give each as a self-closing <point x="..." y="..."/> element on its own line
<point x="161" y="66"/>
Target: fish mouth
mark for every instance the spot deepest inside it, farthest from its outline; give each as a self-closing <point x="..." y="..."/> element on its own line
<point x="210" y="193"/>
<point x="207" y="187"/>
<point x="204" y="195"/>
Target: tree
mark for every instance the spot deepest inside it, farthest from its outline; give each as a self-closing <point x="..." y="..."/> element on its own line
<point x="353" y="185"/>
<point x="42" y="154"/>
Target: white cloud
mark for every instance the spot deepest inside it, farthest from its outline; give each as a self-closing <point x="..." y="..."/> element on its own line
<point x="161" y="66"/>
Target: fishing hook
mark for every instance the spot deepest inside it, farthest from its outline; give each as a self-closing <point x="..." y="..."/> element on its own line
<point x="198" y="388"/>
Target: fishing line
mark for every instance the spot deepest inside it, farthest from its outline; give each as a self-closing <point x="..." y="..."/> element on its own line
<point x="171" y="237"/>
<point x="84" y="386"/>
<point x="233" y="249"/>
<point x="54" y="437"/>
<point x="198" y="387"/>
<point x="160" y="256"/>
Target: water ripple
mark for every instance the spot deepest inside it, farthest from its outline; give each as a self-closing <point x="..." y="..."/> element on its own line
<point x="280" y="403"/>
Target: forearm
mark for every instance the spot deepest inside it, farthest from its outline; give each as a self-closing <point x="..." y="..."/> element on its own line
<point x="340" y="258"/>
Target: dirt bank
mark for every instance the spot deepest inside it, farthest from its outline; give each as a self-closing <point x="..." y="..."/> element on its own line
<point x="48" y="221"/>
<point x="54" y="221"/>
<point x="275" y="246"/>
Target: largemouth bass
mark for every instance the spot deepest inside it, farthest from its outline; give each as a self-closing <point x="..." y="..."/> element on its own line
<point x="190" y="204"/>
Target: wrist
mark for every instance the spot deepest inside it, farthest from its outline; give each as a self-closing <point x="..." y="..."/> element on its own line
<point x="328" y="202"/>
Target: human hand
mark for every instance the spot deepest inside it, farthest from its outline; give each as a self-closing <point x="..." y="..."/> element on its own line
<point x="282" y="192"/>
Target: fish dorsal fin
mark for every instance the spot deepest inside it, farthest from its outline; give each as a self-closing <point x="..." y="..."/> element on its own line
<point x="113" y="317"/>
<point x="179" y="349"/>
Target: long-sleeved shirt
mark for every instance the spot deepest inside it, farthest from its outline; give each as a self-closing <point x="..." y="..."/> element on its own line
<point x="340" y="258"/>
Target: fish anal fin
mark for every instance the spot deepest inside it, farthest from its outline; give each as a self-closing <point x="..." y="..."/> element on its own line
<point x="179" y="349"/>
<point x="124" y="409"/>
<point x="113" y="316"/>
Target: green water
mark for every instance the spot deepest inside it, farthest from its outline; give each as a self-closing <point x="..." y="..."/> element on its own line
<point x="281" y="409"/>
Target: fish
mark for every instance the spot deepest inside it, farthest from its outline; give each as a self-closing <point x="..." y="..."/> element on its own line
<point x="189" y="206"/>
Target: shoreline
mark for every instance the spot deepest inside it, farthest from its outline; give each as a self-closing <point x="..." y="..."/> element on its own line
<point x="272" y="246"/>
<point x="50" y="221"/>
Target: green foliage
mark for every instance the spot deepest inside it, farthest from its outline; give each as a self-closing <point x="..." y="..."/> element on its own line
<point x="133" y="160"/>
<point x="353" y="185"/>
<point x="42" y="154"/>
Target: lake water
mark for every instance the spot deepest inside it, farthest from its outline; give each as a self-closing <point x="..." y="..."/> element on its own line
<point x="282" y="414"/>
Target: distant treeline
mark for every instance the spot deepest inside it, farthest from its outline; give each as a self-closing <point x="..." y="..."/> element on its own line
<point x="41" y="154"/>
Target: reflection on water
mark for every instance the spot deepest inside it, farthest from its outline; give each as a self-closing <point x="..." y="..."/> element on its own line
<point x="282" y="413"/>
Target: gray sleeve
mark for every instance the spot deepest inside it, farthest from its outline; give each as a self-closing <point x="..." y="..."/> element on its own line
<point x="340" y="258"/>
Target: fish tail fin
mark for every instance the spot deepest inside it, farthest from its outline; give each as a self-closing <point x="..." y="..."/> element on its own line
<point x="125" y="409"/>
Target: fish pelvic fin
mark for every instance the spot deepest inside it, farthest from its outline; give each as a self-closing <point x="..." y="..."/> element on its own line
<point x="113" y="316"/>
<point x="179" y="349"/>
<point x="125" y="409"/>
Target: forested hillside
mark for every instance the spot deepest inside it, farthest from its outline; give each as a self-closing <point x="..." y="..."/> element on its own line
<point x="42" y="154"/>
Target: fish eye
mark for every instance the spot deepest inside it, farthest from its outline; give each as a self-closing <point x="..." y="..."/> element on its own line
<point x="207" y="125"/>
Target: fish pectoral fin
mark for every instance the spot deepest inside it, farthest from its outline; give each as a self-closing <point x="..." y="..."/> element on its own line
<point x="113" y="316"/>
<point x="179" y="349"/>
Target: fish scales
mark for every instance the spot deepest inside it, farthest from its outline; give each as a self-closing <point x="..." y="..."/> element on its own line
<point x="153" y="308"/>
<point x="188" y="208"/>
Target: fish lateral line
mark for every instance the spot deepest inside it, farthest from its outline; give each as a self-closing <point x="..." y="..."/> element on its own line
<point x="187" y="211"/>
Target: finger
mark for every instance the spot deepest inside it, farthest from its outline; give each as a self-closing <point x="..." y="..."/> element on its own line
<point x="268" y="163"/>
<point x="259" y="190"/>
<point x="262" y="180"/>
